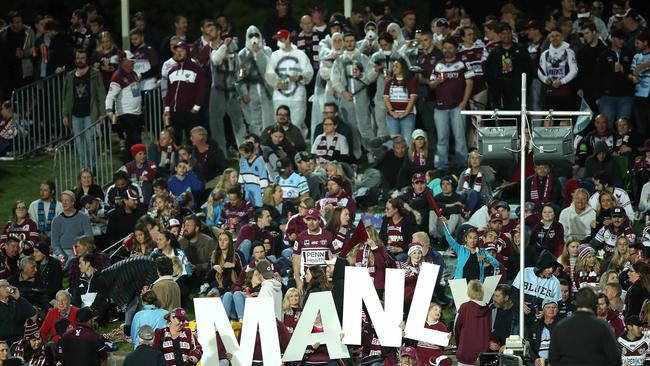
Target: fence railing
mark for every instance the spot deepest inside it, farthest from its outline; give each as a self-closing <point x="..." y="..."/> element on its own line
<point x="91" y="148"/>
<point x="152" y="105"/>
<point x="39" y="107"/>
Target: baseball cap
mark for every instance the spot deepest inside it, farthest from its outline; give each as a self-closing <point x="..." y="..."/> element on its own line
<point x="178" y="313"/>
<point x="282" y="34"/>
<point x="336" y="179"/>
<point x="265" y="268"/>
<point x="132" y="194"/>
<point x="126" y="55"/>
<point x="441" y="22"/>
<point x="418" y="178"/>
<point x="502" y="204"/>
<point x="312" y="213"/>
<point x="146" y="333"/>
<point x="496" y="217"/>
<point x="534" y="24"/>
<point x="633" y="320"/>
<point x="173" y="223"/>
<point x="302" y="156"/>
<point x="182" y="44"/>
<point x="451" y="4"/>
<point x="491" y="246"/>
<point x="548" y="301"/>
<point x="618" y="212"/>
<point x="583" y="11"/>
<point x="408" y="351"/>
<point x="447" y="178"/>
<point x="282" y="164"/>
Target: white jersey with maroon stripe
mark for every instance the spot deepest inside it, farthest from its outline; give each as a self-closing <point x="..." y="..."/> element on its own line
<point x="313" y="249"/>
<point x="634" y="352"/>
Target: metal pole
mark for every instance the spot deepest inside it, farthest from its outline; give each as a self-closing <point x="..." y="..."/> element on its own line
<point x="347" y="8"/>
<point x="522" y="203"/>
<point x="126" y="44"/>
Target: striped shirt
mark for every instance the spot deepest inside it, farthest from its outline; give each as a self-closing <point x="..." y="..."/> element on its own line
<point x="254" y="178"/>
<point x="293" y="186"/>
<point x="475" y="57"/>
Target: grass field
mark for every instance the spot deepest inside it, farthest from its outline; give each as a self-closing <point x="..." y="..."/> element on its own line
<point x="20" y="180"/>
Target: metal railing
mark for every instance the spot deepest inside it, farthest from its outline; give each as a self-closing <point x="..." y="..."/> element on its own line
<point x="91" y="148"/>
<point x="152" y="105"/>
<point x="39" y="106"/>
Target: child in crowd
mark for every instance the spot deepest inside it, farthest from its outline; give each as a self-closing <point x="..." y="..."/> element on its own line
<point x="427" y="351"/>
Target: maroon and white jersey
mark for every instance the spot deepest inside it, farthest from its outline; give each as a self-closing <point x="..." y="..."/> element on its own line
<point x="426" y="350"/>
<point x="310" y="46"/>
<point x="450" y="93"/>
<point x="474" y="57"/>
<point x="342" y="199"/>
<point x="236" y="216"/>
<point x="146" y="66"/>
<point x="27" y="233"/>
<point x="394" y="233"/>
<point x="633" y="352"/>
<point x="297" y="225"/>
<point x="558" y="64"/>
<point x="313" y="249"/>
<point x="186" y="87"/>
<point x="124" y="96"/>
<point x="608" y="234"/>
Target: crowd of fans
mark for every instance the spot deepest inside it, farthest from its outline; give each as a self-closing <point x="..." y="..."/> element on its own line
<point x="281" y="208"/>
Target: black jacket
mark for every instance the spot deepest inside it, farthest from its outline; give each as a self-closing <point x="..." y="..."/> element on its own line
<point x="12" y="318"/>
<point x="584" y="340"/>
<point x="60" y="53"/>
<point x="33" y="291"/>
<point x="121" y="224"/>
<point x="409" y="168"/>
<point x="534" y="334"/>
<point x="95" y="284"/>
<point x="587" y="78"/>
<point x="608" y="166"/>
<point x="505" y="89"/>
<point x="52" y="276"/>
<point x="213" y="164"/>
<point x="409" y="226"/>
<point x="144" y="355"/>
<point x="613" y="83"/>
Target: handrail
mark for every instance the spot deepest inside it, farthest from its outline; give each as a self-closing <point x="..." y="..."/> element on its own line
<point x="91" y="148"/>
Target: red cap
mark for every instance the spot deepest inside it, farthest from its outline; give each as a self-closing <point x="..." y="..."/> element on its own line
<point x="184" y="45"/>
<point x="312" y="213"/>
<point x="408" y="351"/>
<point x="178" y="313"/>
<point x="496" y="217"/>
<point x="282" y="34"/>
<point x="337" y="179"/>
<point x="418" y="178"/>
<point x="491" y="246"/>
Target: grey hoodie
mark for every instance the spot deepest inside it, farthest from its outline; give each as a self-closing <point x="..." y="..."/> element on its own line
<point x="273" y="288"/>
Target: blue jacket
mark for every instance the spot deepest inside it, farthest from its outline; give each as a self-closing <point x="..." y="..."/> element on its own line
<point x="191" y="182"/>
<point x="149" y="315"/>
<point x="464" y="253"/>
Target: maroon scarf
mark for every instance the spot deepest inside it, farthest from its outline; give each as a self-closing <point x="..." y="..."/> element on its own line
<point x="534" y="191"/>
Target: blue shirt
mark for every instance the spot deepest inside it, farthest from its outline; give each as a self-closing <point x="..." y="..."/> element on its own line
<point x="643" y="87"/>
<point x="149" y="315"/>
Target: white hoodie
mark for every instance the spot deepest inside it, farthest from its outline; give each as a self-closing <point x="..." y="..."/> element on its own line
<point x="273" y="288"/>
<point x="577" y="225"/>
<point x="553" y="64"/>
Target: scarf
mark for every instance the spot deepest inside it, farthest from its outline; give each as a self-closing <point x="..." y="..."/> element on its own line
<point x="534" y="191"/>
<point x="325" y="149"/>
<point x="45" y="223"/>
<point x="166" y="155"/>
<point x="477" y="181"/>
<point x="419" y="158"/>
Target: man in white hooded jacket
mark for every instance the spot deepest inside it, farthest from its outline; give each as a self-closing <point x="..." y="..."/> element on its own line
<point x="270" y="286"/>
<point x="288" y="71"/>
<point x="257" y="95"/>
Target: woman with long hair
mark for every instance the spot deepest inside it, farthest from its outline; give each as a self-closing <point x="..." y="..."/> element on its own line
<point x="86" y="184"/>
<point x="167" y="245"/>
<point x="606" y="203"/>
<point x="227" y="180"/>
<point x="334" y="168"/>
<point x="224" y="265"/>
<point x="212" y="209"/>
<point x="105" y="57"/>
<point x="639" y="291"/>
<point x="471" y="258"/>
<point x="274" y="203"/>
<point x="279" y="144"/>
<point x="419" y="159"/>
<point x="340" y="226"/>
<point x="20" y="226"/>
<point x="620" y="260"/>
<point x="31" y="348"/>
<point x="291" y="309"/>
<point x="316" y="280"/>
<point x="587" y="271"/>
<point x="397" y="228"/>
<point x="569" y="259"/>
<point x="548" y="233"/>
<point x="400" y="94"/>
<point x="162" y="210"/>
